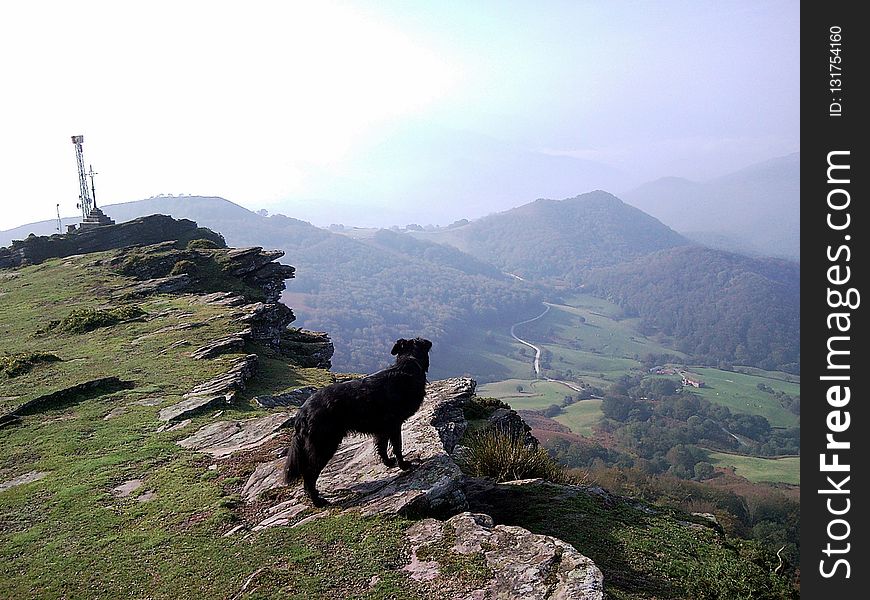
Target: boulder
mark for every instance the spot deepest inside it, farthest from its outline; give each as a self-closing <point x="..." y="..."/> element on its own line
<point x="520" y="564"/>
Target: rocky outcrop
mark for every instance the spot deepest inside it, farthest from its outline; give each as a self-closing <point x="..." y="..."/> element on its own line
<point x="220" y="390"/>
<point x="356" y="478"/>
<point x="138" y="232"/>
<point x="295" y="398"/>
<point x="230" y="343"/>
<point x="509" y="422"/>
<point x="267" y="321"/>
<point x="307" y="348"/>
<point x="257" y="268"/>
<point x="519" y="563"/>
<point x="223" y="438"/>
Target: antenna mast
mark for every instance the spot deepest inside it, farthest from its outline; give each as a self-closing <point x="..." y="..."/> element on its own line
<point x="93" y="191"/>
<point x="85" y="202"/>
<point x="58" y="219"/>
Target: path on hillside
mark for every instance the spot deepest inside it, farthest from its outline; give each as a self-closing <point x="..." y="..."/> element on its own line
<point x="537" y="361"/>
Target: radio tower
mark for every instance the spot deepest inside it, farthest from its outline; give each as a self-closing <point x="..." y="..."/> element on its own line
<point x="85" y="202"/>
<point x="91" y="215"/>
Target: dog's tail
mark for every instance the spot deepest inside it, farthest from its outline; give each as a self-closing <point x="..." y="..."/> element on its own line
<point x="296" y="461"/>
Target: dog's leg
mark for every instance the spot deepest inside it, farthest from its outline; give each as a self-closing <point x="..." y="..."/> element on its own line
<point x="381" y="447"/>
<point x="319" y="454"/>
<point x="396" y="442"/>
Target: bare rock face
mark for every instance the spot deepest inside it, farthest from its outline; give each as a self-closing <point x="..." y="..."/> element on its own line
<point x="226" y="437"/>
<point x="220" y="390"/>
<point x="295" y="397"/>
<point x="257" y="268"/>
<point x="522" y="564"/>
<point x="307" y="348"/>
<point x="230" y="343"/>
<point x="356" y="478"/>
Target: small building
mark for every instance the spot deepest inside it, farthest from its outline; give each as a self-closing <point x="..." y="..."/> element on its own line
<point x="688" y="380"/>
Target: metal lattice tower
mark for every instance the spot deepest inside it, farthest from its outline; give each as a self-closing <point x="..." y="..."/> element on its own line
<point x="85" y="200"/>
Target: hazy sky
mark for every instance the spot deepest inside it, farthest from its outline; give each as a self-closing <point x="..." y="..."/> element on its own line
<point x="387" y="112"/>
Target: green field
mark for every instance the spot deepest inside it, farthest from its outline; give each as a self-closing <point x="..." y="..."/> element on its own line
<point x="739" y="392"/>
<point x="582" y="416"/>
<point x="775" y="470"/>
<point x="590" y="339"/>
<point x="537" y="394"/>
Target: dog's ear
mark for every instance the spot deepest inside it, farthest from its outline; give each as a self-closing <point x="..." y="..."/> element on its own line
<point x="427" y="345"/>
<point x="400" y="345"/>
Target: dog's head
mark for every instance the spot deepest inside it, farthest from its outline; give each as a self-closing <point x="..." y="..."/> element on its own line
<point x="417" y="348"/>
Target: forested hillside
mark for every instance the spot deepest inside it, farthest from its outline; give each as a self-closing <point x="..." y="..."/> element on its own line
<point x="559" y="240"/>
<point x="718" y="307"/>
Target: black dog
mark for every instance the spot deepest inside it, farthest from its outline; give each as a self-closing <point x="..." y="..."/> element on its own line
<point x="377" y="404"/>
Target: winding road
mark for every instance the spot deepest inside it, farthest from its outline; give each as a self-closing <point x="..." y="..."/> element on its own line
<point x="537" y="362"/>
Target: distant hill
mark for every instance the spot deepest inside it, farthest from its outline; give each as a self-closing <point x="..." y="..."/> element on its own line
<point x="755" y="210"/>
<point x="222" y="214"/>
<point x="365" y="292"/>
<point x="717" y="306"/>
<point x="561" y="239"/>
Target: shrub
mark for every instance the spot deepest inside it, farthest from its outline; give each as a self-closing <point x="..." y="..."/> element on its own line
<point x="183" y="267"/>
<point x="504" y="457"/>
<point x="202" y="243"/>
<point x="88" y="319"/>
<point x="554" y="410"/>
<point x="481" y="408"/>
<point x="12" y="365"/>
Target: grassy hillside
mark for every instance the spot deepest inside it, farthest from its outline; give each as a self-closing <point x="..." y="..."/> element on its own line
<point x="757" y="469"/>
<point x="71" y="535"/>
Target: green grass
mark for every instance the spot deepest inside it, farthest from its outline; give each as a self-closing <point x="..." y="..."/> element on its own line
<point x="775" y="470"/>
<point x="594" y="325"/>
<point x="537" y="393"/>
<point x="739" y="392"/>
<point x="582" y="416"/>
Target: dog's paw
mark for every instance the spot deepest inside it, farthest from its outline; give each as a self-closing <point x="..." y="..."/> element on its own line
<point x="319" y="502"/>
<point x="406" y="465"/>
<point x="389" y="462"/>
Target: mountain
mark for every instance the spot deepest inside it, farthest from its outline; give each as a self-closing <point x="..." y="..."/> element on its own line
<point x="561" y="239"/>
<point x="755" y="210"/>
<point x="366" y="292"/>
<point x="717" y="306"/>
